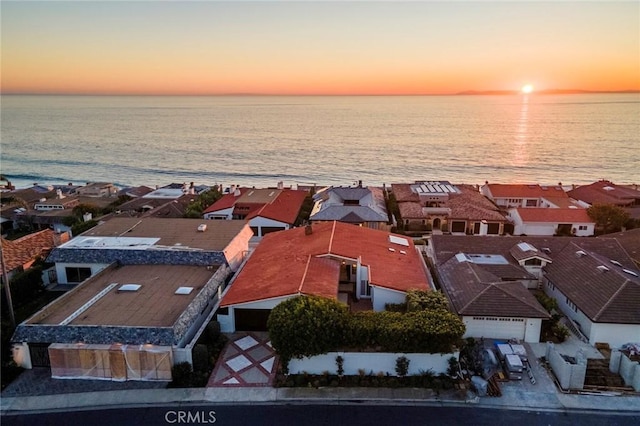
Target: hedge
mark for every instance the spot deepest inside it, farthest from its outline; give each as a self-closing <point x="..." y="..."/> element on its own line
<point x="311" y="325"/>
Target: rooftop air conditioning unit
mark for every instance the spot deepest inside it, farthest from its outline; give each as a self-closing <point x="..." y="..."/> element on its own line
<point x="202" y="227"/>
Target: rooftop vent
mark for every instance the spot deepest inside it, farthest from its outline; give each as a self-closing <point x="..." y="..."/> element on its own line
<point x="202" y="227"/>
<point x="580" y="253"/>
<point x="615" y="262"/>
<point x="184" y="290"/>
<point x="608" y="188"/>
<point x="403" y="252"/>
<point x="392" y="249"/>
<point x="630" y="272"/>
<point x="546" y="250"/>
<point x="602" y="268"/>
<point x="129" y="287"/>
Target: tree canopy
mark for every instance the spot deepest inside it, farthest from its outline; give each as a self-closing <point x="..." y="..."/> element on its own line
<point x="608" y="217"/>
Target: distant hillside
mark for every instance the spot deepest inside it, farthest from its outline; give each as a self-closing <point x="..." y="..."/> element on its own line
<point x="543" y="92"/>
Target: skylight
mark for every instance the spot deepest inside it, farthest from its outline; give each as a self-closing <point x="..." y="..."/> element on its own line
<point x="184" y="290"/>
<point x="129" y="287"/>
<point x="630" y="272"/>
<point x="615" y="262"/>
<point x="398" y="240"/>
<point x="526" y="247"/>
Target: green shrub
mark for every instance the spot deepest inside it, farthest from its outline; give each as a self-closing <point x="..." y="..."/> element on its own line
<point x="560" y="331"/>
<point x="402" y="366"/>
<point x="182" y="375"/>
<point x="200" y="358"/>
<point x="420" y="300"/>
<point x="306" y="326"/>
<point x="549" y="303"/>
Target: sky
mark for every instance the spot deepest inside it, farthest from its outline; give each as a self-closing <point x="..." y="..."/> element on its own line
<point x="319" y="48"/>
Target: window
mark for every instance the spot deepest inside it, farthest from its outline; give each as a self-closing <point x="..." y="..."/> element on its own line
<point x="77" y="275"/>
<point x="532" y="203"/>
<point x="582" y="227"/>
<point x="533" y="262"/>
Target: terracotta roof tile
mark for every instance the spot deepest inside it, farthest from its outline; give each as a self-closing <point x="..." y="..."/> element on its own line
<point x="277" y="266"/>
<point x="525" y="191"/>
<point x="614" y="194"/>
<point x="554" y="215"/>
<point x="22" y="251"/>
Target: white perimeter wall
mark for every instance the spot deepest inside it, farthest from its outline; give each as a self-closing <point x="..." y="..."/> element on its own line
<point x="381" y="296"/>
<point x="376" y="362"/>
<point x="259" y="222"/>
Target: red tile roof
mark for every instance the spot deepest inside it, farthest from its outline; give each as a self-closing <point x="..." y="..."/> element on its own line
<point x="554" y="215"/>
<point x="24" y="250"/>
<point x="277" y="267"/>
<point x="227" y="200"/>
<point x="403" y="192"/>
<point x="525" y="191"/>
<point x="284" y="208"/>
<point x="596" y="193"/>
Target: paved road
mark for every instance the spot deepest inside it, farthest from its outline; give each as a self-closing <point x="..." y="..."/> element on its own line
<point x="347" y="414"/>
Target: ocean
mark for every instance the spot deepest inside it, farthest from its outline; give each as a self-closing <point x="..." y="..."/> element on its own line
<point x="304" y="140"/>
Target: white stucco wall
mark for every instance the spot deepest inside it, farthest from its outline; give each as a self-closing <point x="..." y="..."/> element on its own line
<point x="615" y="335"/>
<point x="259" y="222"/>
<point x="227" y="213"/>
<point x="371" y="362"/>
<point x="62" y="273"/>
<point x="578" y="317"/>
<point x="380" y="296"/>
<point x="235" y="251"/>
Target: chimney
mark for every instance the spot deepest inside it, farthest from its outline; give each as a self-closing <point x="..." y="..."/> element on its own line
<point x="237" y="192"/>
<point x="280" y="185"/>
<point x="484" y="227"/>
<point x="308" y="230"/>
<point x="359" y="184"/>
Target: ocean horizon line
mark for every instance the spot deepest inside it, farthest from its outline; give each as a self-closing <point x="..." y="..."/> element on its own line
<point x="241" y="94"/>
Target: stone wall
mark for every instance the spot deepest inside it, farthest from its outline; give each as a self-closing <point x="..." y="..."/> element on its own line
<point x="93" y="334"/>
<point x="138" y="257"/>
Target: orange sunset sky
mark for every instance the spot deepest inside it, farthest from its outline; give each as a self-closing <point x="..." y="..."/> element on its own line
<point x="306" y="47"/>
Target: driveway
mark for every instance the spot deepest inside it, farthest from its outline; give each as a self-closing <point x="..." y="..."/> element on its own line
<point x="247" y="360"/>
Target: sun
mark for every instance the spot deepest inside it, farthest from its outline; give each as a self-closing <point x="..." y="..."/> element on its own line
<point x="526" y="89"/>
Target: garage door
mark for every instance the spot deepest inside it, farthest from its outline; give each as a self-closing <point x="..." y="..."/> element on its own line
<point x="494" y="327"/>
<point x="251" y="319"/>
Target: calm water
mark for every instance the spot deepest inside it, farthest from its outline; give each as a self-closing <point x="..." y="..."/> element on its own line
<point x="326" y="140"/>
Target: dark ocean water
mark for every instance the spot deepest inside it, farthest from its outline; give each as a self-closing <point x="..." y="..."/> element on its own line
<point x="247" y="140"/>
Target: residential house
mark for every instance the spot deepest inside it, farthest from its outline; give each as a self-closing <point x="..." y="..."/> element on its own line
<point x="135" y="191"/>
<point x="489" y="286"/>
<point x="146" y="289"/>
<point x="150" y="240"/>
<point x="358" y="206"/>
<point x="522" y="195"/>
<point x="606" y="192"/>
<point x="18" y="255"/>
<point x="362" y="267"/>
<point x="552" y="221"/>
<point x="97" y="189"/>
<point x="477" y="274"/>
<point x="460" y="209"/>
<point x="600" y="294"/>
<point x="156" y="207"/>
<point x="266" y="210"/>
<point x="127" y="322"/>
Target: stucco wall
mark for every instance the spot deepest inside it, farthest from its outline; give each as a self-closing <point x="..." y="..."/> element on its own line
<point x="381" y="296"/>
<point x="371" y="362"/>
<point x="628" y="370"/>
<point x="615" y="335"/>
<point x="570" y="376"/>
<point x="61" y="271"/>
<point x="236" y="250"/>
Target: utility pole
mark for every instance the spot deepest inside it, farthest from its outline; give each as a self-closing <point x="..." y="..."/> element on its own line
<point x="7" y="287"/>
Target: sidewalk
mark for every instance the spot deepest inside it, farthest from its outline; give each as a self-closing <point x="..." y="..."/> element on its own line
<point x="513" y="398"/>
